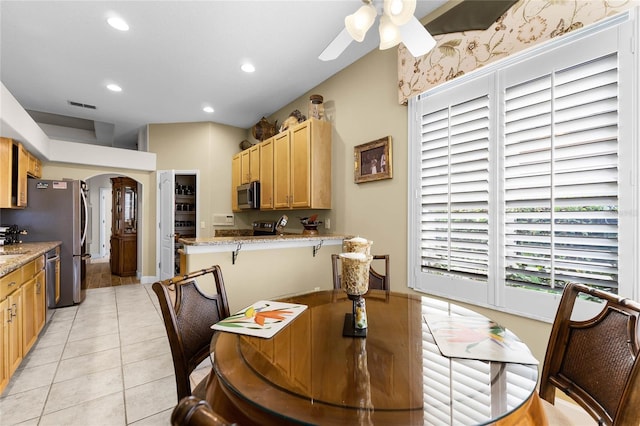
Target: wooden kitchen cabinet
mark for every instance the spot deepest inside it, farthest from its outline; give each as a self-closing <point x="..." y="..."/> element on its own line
<point x="4" y="344"/>
<point x="14" y="332"/>
<point x="294" y="168"/>
<point x="23" y="311"/>
<point x="244" y="167"/>
<point x="14" y="162"/>
<point x="124" y="239"/>
<point x="254" y="163"/>
<point x="302" y="166"/>
<point x="266" y="174"/>
<point x="281" y="171"/>
<point x="33" y="302"/>
<point x="250" y="164"/>
<point x="34" y="166"/>
<point x="29" y="334"/>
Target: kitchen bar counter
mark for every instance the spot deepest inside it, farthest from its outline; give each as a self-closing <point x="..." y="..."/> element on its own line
<point x="15" y="256"/>
<point x="263" y="267"/>
<point x="262" y="242"/>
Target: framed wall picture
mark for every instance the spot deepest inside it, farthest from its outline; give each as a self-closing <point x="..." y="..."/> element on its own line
<point x="372" y="160"/>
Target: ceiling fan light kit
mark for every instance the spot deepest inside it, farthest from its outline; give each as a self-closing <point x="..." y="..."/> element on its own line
<point x="389" y="33"/>
<point x="397" y="24"/>
<point x="359" y="23"/>
<point x="399" y="11"/>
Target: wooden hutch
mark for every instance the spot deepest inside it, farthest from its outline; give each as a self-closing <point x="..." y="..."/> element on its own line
<point x="124" y="236"/>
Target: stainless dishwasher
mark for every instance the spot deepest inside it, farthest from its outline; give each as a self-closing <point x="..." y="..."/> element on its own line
<point x="52" y="277"/>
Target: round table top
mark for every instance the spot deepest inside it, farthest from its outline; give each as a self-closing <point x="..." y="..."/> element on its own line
<point x="310" y="373"/>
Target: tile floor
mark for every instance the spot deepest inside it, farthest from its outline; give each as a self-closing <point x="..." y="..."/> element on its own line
<point x="106" y="362"/>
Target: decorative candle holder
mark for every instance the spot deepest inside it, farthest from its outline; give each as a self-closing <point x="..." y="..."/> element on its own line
<point x="355" y="282"/>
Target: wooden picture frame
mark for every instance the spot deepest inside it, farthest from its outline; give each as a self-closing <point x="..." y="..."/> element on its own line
<point x="372" y="161"/>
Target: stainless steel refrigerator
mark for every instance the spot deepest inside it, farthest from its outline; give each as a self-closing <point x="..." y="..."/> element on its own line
<point x="57" y="211"/>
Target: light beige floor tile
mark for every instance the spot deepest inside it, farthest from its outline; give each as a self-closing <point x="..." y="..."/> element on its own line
<point x="142" y="350"/>
<point x="148" y="370"/>
<point x="151" y="398"/>
<point x="23" y="406"/>
<point x="142" y="334"/>
<point x="60" y="326"/>
<point x="97" y="316"/>
<point x="161" y="418"/>
<point x="61" y="314"/>
<point x="91" y="345"/>
<point x="48" y="338"/>
<point x="25" y="379"/>
<point x="80" y="332"/>
<point x="142" y="318"/>
<point x="86" y="388"/>
<point x="42" y="355"/>
<point x="86" y="364"/>
<point x="104" y="411"/>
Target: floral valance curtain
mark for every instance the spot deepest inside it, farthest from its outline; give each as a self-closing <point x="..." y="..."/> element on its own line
<point x="526" y="23"/>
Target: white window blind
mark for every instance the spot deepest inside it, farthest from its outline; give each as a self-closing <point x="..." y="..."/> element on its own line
<point x="524" y="176"/>
<point x="560" y="174"/>
<point x="455" y="188"/>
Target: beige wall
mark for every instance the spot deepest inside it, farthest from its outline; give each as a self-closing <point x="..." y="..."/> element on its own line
<point x="206" y="147"/>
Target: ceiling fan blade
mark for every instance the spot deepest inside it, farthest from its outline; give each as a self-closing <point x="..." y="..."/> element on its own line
<point x="337" y="46"/>
<point x="416" y="38"/>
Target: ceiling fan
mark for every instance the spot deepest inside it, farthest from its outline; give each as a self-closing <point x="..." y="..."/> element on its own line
<point x="398" y="24"/>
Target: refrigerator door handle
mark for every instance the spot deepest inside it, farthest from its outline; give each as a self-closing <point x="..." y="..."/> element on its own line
<point x="86" y="217"/>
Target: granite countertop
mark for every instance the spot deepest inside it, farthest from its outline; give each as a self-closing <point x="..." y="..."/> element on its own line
<point x="15" y="256"/>
<point x="241" y="237"/>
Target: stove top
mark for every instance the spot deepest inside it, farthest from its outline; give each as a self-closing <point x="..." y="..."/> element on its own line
<point x="264" y="227"/>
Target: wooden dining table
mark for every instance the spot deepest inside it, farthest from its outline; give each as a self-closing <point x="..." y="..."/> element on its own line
<point x="309" y="373"/>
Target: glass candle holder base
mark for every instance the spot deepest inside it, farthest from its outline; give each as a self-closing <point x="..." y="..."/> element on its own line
<point x="349" y="329"/>
<point x="355" y="323"/>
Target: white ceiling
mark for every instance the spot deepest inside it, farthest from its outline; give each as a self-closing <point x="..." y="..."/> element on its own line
<point x="177" y="57"/>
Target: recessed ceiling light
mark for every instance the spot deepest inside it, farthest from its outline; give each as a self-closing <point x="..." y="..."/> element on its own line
<point x="247" y="68"/>
<point x="207" y="109"/>
<point x="118" y="23"/>
<point x="114" y="87"/>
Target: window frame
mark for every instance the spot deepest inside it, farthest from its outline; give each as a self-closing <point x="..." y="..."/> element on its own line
<point x="616" y="32"/>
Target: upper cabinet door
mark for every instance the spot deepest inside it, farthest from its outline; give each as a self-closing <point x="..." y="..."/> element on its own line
<point x="266" y="174"/>
<point x="301" y="165"/>
<point x="281" y="171"/>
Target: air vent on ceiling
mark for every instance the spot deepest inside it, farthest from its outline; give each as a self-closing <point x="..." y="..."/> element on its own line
<point x="81" y="105"/>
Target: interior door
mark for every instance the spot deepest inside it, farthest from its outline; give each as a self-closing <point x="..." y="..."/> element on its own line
<point x="166" y="215"/>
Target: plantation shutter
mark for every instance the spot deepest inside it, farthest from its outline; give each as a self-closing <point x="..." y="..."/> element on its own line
<point x="561" y="173"/>
<point x="455" y="185"/>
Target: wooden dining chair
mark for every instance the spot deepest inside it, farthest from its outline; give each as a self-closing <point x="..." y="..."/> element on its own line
<point x="595" y="362"/>
<point x="377" y="280"/>
<point x="192" y="411"/>
<point x="188" y="314"/>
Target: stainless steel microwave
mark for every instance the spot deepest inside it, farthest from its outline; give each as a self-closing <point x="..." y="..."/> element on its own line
<point x="249" y="196"/>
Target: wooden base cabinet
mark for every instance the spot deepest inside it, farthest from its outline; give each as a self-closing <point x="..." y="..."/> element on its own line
<point x="124" y="255"/>
<point x="22" y="310"/>
<point x="4" y="343"/>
